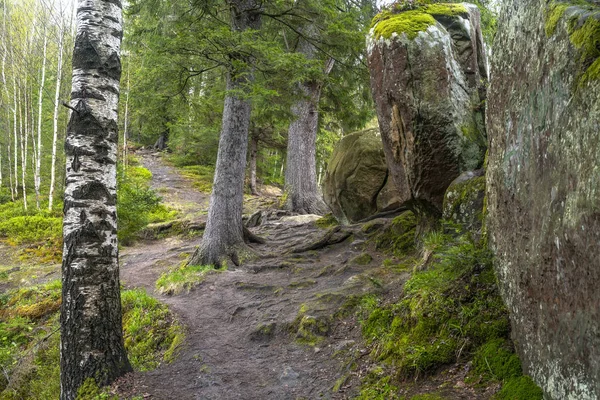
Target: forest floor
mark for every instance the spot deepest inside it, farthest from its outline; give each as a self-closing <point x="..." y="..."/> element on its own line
<point x="281" y="327"/>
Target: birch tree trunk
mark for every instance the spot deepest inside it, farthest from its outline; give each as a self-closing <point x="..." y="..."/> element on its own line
<point x="55" y="116"/>
<point x="224" y="234"/>
<point x="303" y="194"/>
<point x="38" y="152"/>
<point x="23" y="142"/>
<point x="16" y="141"/>
<point x="91" y="323"/>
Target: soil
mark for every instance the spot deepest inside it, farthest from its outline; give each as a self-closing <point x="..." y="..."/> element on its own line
<point x="280" y="327"/>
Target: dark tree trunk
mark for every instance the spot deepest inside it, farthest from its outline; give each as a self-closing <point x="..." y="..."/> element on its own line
<point x="91" y="327"/>
<point x="252" y="164"/>
<point x="303" y="194"/>
<point x="223" y="238"/>
<point x="161" y="143"/>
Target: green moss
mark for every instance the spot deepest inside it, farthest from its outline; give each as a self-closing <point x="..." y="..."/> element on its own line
<point x="327" y="221"/>
<point x="378" y="388"/>
<point x="497" y="360"/>
<point x="412" y="21"/>
<point x="520" y="388"/>
<point x="311" y="330"/>
<point x="427" y="396"/>
<point x="554" y="14"/>
<point x="446" y="9"/>
<point x="399" y="237"/>
<point x="183" y="278"/>
<point x="409" y="23"/>
<point x="151" y="333"/>
<point x="448" y="309"/>
<point x="362" y="259"/>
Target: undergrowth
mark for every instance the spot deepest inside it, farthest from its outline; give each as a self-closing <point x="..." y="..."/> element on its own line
<point x="450" y="311"/>
<point x="29" y="338"/>
<point x="201" y="176"/>
<point x="183" y="278"/>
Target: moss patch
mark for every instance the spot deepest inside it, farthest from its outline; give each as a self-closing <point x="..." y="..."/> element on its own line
<point x="327" y="221"/>
<point x="520" y="388"/>
<point x="183" y="278"/>
<point x="410" y="22"/>
<point x="398" y="238"/>
<point x="29" y="339"/>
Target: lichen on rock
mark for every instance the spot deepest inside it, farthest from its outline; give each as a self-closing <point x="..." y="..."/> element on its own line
<point x="428" y="78"/>
<point x="543" y="189"/>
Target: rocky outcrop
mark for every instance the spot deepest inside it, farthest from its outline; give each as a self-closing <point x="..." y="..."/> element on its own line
<point x="356" y="183"/>
<point x="428" y="78"/>
<point x="543" y="184"/>
<point x="463" y="202"/>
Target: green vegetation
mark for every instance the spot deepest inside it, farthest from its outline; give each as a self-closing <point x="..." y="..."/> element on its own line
<point x="450" y="311"/>
<point x="138" y="205"/>
<point x="29" y="338"/>
<point x="398" y="238"/>
<point x="328" y="221"/>
<point x="583" y="30"/>
<point x="201" y="176"/>
<point x="183" y="277"/>
<point x="38" y="232"/>
<point x="412" y="21"/>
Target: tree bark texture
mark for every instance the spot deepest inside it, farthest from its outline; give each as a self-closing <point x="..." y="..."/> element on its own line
<point x="91" y="327"/>
<point x="303" y="194"/>
<point x="224" y="235"/>
<point x="252" y="164"/>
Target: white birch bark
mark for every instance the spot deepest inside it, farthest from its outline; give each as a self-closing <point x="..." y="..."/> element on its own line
<point x="91" y="327"/>
<point x="59" y="72"/>
<point x="38" y="152"/>
<point x="23" y="142"/>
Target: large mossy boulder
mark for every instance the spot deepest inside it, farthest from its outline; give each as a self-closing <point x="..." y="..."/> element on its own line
<point x="356" y="183"/>
<point x="543" y="183"/>
<point x="428" y="79"/>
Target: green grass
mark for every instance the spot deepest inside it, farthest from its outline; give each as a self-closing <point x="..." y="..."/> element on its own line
<point x="183" y="278"/>
<point x="451" y="311"/>
<point x="201" y="176"/>
<point x="29" y="338"/>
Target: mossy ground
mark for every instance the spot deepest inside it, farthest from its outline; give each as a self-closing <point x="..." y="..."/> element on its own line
<point x="183" y="278"/>
<point x="29" y="338"/>
<point x="450" y="311"/>
<point x="397" y="239"/>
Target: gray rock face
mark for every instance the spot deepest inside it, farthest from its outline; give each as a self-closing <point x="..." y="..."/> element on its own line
<point x="356" y="183"/>
<point x="543" y="183"/>
<point x="428" y="83"/>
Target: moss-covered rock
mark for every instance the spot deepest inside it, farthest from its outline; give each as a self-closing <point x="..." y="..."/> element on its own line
<point x="356" y="183"/>
<point x="428" y="78"/>
<point x="543" y="190"/>
<point x="463" y="202"/>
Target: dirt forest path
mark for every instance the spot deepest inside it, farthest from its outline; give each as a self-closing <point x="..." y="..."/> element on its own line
<point x="275" y="328"/>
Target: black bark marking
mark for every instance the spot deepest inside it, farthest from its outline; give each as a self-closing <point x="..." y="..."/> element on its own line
<point x="75" y="164"/>
<point x="85" y="55"/>
<point x="94" y="191"/>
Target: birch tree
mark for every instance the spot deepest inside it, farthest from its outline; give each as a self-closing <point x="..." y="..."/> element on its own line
<point x="38" y="148"/>
<point x="91" y="323"/>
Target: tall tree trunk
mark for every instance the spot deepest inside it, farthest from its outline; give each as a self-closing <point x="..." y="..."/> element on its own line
<point x="24" y="139"/>
<point x="38" y="152"/>
<point x="224" y="234"/>
<point x="252" y="164"/>
<point x="303" y="194"/>
<point x="55" y="116"/>
<point x="15" y="139"/>
<point x="91" y="323"/>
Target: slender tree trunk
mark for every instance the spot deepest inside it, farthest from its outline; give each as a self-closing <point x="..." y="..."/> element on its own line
<point x="303" y="194"/>
<point x="38" y="152"/>
<point x="224" y="234"/>
<point x="23" y="141"/>
<point x="126" y="122"/>
<point x="16" y="141"/>
<point x="252" y="164"/>
<point x="91" y="323"/>
<point x="55" y="116"/>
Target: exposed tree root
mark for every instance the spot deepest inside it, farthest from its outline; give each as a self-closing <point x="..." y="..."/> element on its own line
<point x="333" y="236"/>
